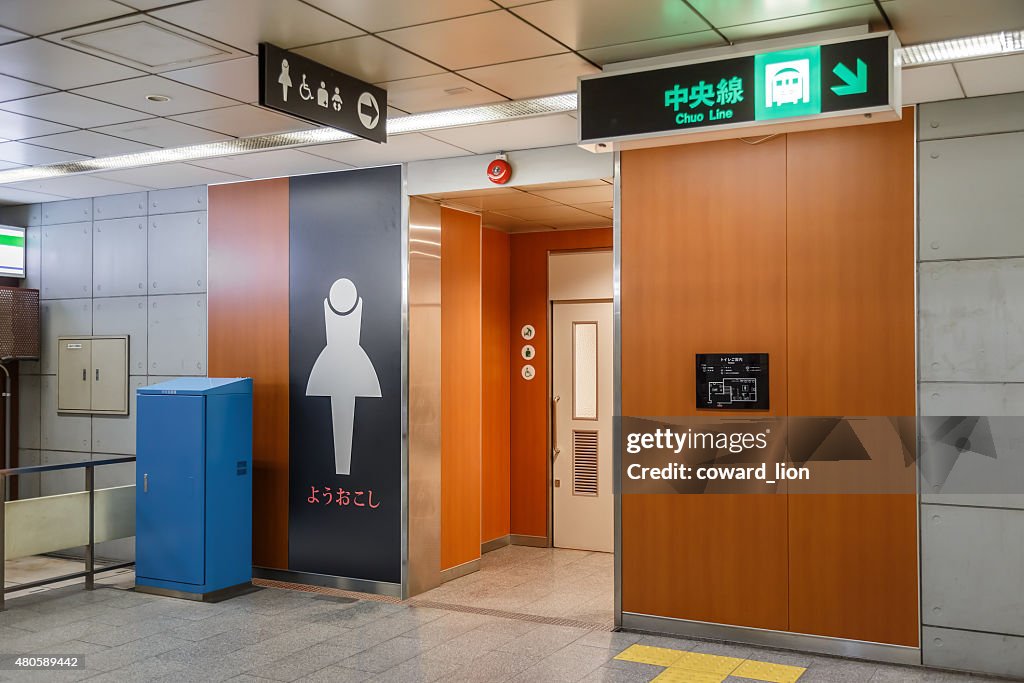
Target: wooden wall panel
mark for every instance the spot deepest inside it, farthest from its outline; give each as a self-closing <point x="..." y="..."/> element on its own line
<point x="530" y="399"/>
<point x="853" y="558"/>
<point x="703" y="271"/>
<point x="248" y="337"/>
<point x="460" y="387"/>
<point x="496" y="412"/>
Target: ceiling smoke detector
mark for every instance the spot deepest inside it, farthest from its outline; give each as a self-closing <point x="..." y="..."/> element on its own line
<point x="158" y="98"/>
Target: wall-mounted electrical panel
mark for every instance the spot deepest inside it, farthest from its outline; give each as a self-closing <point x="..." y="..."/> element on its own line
<point x="92" y="375"/>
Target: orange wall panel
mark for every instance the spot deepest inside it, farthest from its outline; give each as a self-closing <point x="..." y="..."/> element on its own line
<point x="460" y="387"/>
<point x="496" y="412"/>
<point x="530" y="399"/>
<point x="248" y="299"/>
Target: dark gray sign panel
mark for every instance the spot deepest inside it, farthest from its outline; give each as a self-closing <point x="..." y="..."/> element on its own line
<point x="298" y="86"/>
<point x="345" y="374"/>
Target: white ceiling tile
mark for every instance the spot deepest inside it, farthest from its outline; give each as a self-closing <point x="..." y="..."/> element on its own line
<point x="11" y="195"/>
<point x="370" y="59"/>
<point x="276" y="164"/>
<point x="930" y="84"/>
<point x="237" y="78"/>
<point x="132" y="93"/>
<point x="504" y="223"/>
<point x="399" y="148"/>
<point x="600" y="208"/>
<point x="7" y="35"/>
<point x="818" y="21"/>
<point x="381" y="15"/>
<point x="921" y="21"/>
<point x="657" y="47"/>
<point x="37" y="17"/>
<point x="15" y="88"/>
<point x="77" y="186"/>
<point x="247" y="23"/>
<point x="148" y="4"/>
<point x="8" y="165"/>
<point x="515" y="200"/>
<point x="477" y="40"/>
<point x="543" y="131"/>
<point x="533" y="77"/>
<point x="162" y="133"/>
<point x="34" y="155"/>
<point x="578" y="195"/>
<point x="15" y="126"/>
<point x="548" y="213"/>
<point x="89" y="143"/>
<point x="750" y="11"/>
<point x="167" y="176"/>
<point x="243" y="120"/>
<point x="440" y="91"/>
<point x="583" y="24"/>
<point x="61" y="67"/>
<point x="992" y="76"/>
<point x="72" y="110"/>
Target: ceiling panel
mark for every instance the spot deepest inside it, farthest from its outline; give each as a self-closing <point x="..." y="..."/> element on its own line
<point x="15" y="126"/>
<point x="243" y="120"/>
<point x="818" y="21"/>
<point x="89" y="143"/>
<point x="544" y="131"/>
<point x="15" y="88"/>
<point x="148" y="4"/>
<point x="276" y="164"/>
<point x="245" y="23"/>
<point x="57" y="66"/>
<point x="7" y="35"/>
<point x="77" y="186"/>
<point x="399" y="148"/>
<point x="583" y="24"/>
<point x="992" y="76"/>
<point x="930" y="84"/>
<point x="370" y="59"/>
<point x="921" y="21"/>
<point x="578" y="195"/>
<point x="37" y="17"/>
<point x="73" y="110"/>
<point x="533" y="77"/>
<point x="163" y="133"/>
<point x="132" y="93"/>
<point x="34" y="155"/>
<point x="515" y="200"/>
<point x="381" y="15"/>
<point x="237" y="78"/>
<point x="594" y="182"/>
<point x="11" y="195"/>
<point x="476" y="40"/>
<point x="431" y="93"/>
<point x="738" y="12"/>
<point x="652" y="48"/>
<point x="555" y="212"/>
<point x="505" y="223"/>
<point x="170" y="175"/>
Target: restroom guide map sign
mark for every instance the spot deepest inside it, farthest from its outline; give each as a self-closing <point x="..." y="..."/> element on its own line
<point x="793" y="84"/>
<point x="300" y="87"/>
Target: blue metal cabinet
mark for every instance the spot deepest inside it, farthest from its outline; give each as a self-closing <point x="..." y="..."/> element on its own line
<point x="193" y="513"/>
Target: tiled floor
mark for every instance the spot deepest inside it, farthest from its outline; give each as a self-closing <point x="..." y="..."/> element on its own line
<point x="547" y="582"/>
<point x="280" y="635"/>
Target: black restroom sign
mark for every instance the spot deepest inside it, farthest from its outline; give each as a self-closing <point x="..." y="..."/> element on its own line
<point x="732" y="381"/>
<point x="300" y="87"/>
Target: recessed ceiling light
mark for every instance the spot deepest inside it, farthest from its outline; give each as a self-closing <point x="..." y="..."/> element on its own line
<point x="968" y="47"/>
<point x="158" y="98"/>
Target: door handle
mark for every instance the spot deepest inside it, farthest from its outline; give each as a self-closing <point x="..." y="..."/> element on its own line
<point x="85" y="375"/>
<point x="145" y="482"/>
<point x="97" y="374"/>
<point x="555" y="450"/>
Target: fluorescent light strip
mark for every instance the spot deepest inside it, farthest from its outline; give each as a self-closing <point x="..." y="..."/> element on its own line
<point x="502" y="111"/>
<point x="954" y="49"/>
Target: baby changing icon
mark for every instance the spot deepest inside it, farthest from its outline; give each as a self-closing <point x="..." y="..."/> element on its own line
<point x="343" y="371"/>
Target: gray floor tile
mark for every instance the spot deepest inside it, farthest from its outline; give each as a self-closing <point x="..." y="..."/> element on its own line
<point x="338" y="674"/>
<point x="493" y="666"/>
<point x="417" y="670"/>
<point x="571" y="663"/>
<point x="382" y="657"/>
<point x="543" y="640"/>
<point x="608" y="640"/>
<point x="306" y="662"/>
<point x="639" y="673"/>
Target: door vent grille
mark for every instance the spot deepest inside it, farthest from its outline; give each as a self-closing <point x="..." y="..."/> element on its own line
<point x="584" y="463"/>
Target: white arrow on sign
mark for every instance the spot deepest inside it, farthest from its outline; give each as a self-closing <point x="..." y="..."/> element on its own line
<point x="369" y="111"/>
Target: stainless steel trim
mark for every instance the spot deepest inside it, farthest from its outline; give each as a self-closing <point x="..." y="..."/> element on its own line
<point x="532" y="541"/>
<point x="460" y="570"/>
<point x="213" y="596"/>
<point x="917" y="376"/>
<point x="856" y="649"/>
<point x="404" y="229"/>
<point x="344" y="583"/>
<point x="617" y="375"/>
<point x="495" y="543"/>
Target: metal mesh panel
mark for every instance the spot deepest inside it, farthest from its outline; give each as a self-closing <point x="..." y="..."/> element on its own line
<point x="19" y="323"/>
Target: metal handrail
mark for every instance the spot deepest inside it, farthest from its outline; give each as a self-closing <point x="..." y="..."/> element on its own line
<point x="90" y="570"/>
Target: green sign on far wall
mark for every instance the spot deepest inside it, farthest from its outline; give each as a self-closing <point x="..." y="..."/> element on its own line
<point x="840" y="78"/>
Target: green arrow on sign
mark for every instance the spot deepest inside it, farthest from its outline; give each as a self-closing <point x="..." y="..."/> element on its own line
<point x="855" y="83"/>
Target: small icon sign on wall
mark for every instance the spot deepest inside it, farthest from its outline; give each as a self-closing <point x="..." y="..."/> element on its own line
<point x="300" y="87"/>
<point x="528" y="352"/>
<point x="528" y="332"/>
<point x="529" y="372"/>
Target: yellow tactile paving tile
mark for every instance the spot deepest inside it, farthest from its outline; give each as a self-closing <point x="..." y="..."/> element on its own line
<point x="772" y="673"/>
<point x="645" y="654"/>
<point x="674" y="674"/>
<point x="710" y="664"/>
